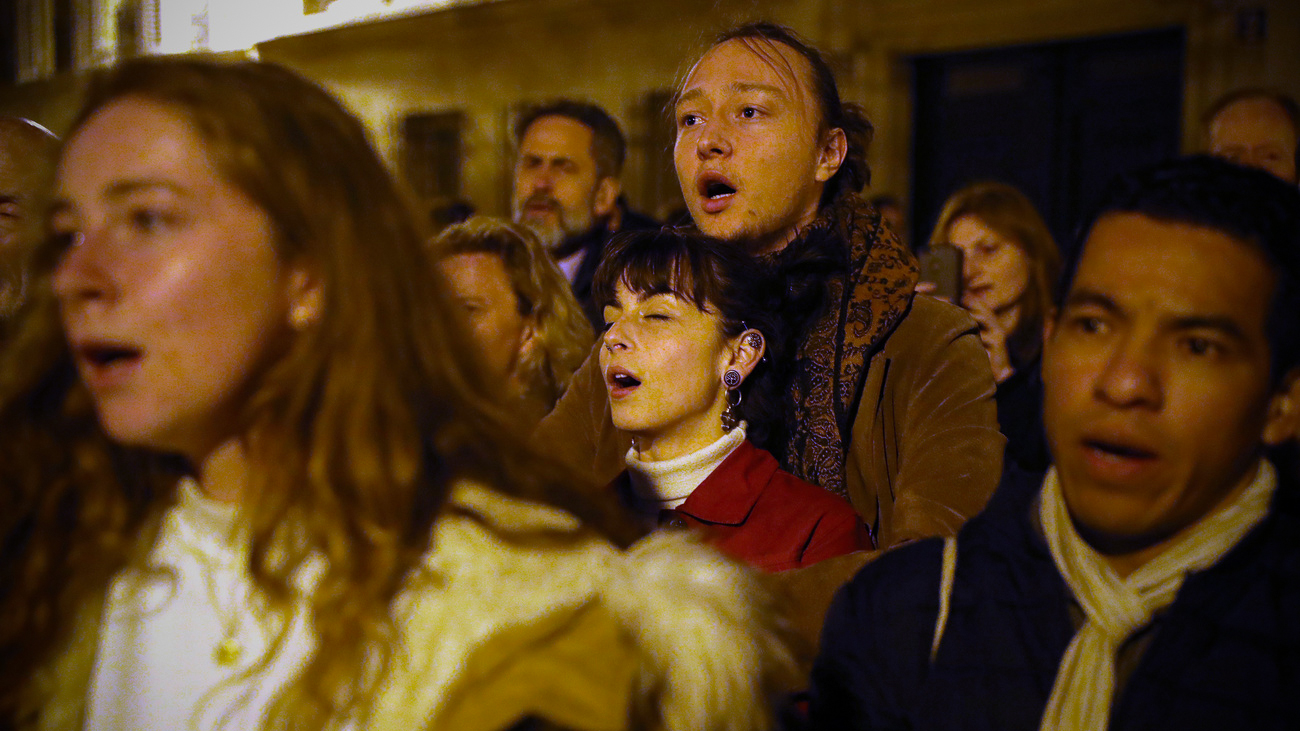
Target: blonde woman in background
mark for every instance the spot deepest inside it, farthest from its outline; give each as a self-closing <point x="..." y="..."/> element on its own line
<point x="1009" y="269"/>
<point x="530" y="331"/>
<point x="252" y="481"/>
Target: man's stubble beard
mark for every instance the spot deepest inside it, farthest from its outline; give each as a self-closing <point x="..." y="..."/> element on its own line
<point x="554" y="236"/>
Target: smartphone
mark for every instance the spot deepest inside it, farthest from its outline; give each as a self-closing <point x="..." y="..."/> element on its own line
<point x="942" y="265"/>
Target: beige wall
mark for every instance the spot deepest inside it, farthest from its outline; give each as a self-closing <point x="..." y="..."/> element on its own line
<point x="485" y="59"/>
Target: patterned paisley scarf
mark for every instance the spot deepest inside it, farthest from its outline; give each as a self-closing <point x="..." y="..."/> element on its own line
<point x="866" y="294"/>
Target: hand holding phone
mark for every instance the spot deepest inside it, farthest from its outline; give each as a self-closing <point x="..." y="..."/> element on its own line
<point x="941" y="265"/>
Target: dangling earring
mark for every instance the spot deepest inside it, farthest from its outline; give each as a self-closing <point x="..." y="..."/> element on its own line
<point x="731" y="416"/>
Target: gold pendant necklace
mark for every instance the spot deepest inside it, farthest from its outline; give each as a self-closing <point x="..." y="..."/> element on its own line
<point x="228" y="652"/>
<point x="229" y="649"/>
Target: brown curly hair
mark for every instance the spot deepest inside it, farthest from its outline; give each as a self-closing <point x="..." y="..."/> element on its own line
<point x="357" y="430"/>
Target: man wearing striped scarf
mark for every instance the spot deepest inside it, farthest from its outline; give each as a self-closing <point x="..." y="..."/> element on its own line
<point x="1151" y="579"/>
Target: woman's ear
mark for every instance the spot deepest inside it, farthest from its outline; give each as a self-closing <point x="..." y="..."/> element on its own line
<point x="747" y="350"/>
<point x="1049" y="324"/>
<point x="306" y="298"/>
<point x="528" y="339"/>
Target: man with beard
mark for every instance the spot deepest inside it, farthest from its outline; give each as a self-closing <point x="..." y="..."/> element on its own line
<point x="890" y="395"/>
<point x="567" y="186"/>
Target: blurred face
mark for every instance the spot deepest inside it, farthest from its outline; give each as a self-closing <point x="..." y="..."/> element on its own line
<point x="489" y="308"/>
<point x="750" y="159"/>
<point x="170" y="288"/>
<point x="21" y="155"/>
<point x="1256" y="133"/>
<point x="995" y="271"/>
<point x="557" y="190"/>
<point x="1156" y="375"/>
<point x="12" y="199"/>
<point x="663" y="361"/>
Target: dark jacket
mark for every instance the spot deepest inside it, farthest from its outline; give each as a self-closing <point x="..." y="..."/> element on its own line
<point x="753" y="510"/>
<point x="593" y="245"/>
<point x="1225" y="654"/>
<point x="1020" y="417"/>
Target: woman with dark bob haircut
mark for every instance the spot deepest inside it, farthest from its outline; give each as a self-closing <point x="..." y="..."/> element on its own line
<point x="252" y="481"/>
<point x="692" y="332"/>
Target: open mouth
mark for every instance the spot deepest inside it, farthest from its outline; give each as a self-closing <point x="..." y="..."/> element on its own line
<point x="106" y="365"/>
<point x="104" y="356"/>
<point x="1118" y="451"/>
<point x="716" y="190"/>
<point x="620" y="382"/>
<point x="623" y="380"/>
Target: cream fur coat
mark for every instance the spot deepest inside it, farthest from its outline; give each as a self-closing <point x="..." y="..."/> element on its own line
<point x="667" y="635"/>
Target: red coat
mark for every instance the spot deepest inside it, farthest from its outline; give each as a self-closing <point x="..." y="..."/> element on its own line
<point x="753" y="510"/>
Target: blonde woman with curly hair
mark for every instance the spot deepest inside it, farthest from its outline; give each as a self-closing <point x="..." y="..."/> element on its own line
<point x="530" y="330"/>
<point x="251" y="481"/>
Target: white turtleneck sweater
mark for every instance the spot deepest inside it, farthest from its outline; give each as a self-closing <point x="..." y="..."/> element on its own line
<point x="665" y="484"/>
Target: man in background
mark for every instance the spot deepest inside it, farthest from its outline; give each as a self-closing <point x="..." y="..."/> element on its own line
<point x="27" y="152"/>
<point x="1258" y="128"/>
<point x="566" y="186"/>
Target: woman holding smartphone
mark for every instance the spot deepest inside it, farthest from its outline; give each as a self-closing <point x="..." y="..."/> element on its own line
<point x="1009" y="268"/>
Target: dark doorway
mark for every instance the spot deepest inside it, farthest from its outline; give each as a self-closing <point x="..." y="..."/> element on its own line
<point x="8" y="42"/>
<point x="1055" y="120"/>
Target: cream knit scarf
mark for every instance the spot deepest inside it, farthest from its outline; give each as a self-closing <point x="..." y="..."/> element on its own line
<point x="1114" y="608"/>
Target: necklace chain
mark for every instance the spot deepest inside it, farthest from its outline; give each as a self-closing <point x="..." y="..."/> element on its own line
<point x="229" y="649"/>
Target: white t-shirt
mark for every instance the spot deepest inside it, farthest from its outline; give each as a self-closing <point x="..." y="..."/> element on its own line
<point x="157" y="665"/>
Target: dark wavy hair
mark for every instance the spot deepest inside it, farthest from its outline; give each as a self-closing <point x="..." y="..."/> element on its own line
<point x="716" y="276"/>
<point x="854" y="172"/>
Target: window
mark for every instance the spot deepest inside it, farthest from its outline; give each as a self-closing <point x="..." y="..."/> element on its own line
<point x="433" y="151"/>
